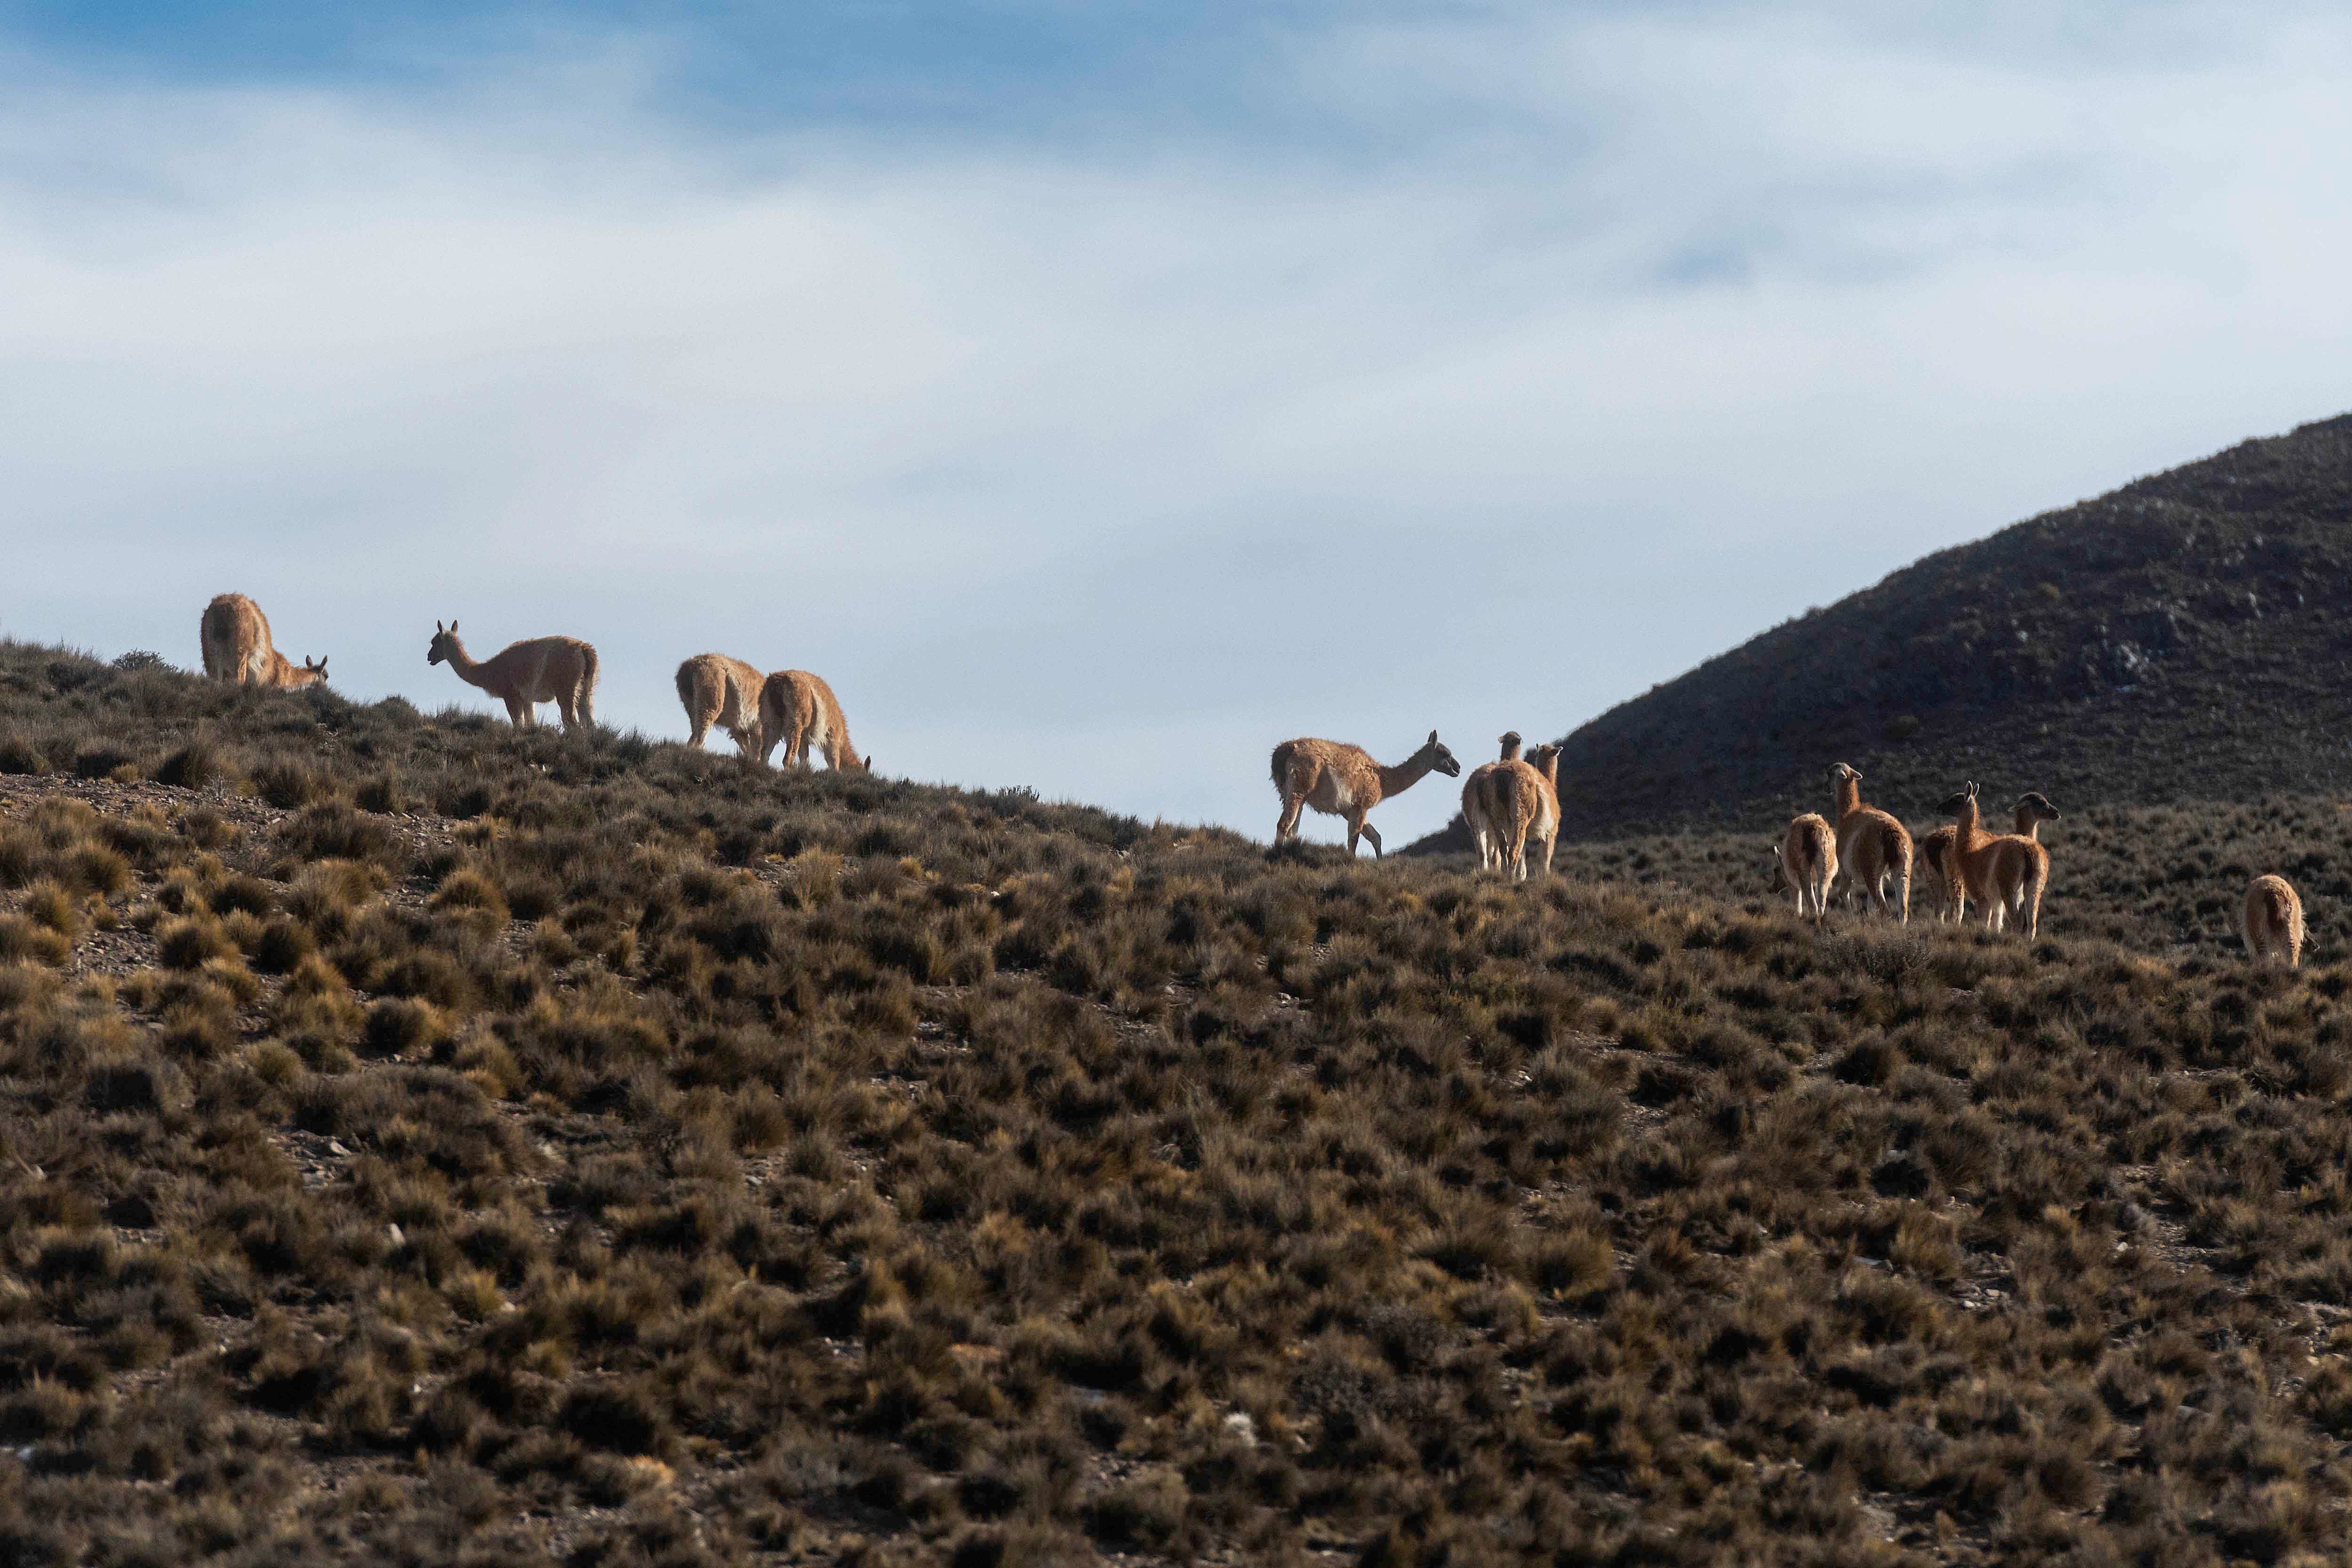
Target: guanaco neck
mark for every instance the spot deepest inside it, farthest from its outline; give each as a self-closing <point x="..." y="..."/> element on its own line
<point x="468" y="668"/>
<point x="1849" y="796"/>
<point x="1970" y="828"/>
<point x="2028" y="825"/>
<point x="1406" y="774"/>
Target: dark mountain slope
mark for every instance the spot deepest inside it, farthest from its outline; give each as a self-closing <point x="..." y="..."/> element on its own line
<point x="2183" y="637"/>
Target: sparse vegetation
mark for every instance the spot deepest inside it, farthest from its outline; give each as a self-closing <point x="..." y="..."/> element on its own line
<point x="619" y="1153"/>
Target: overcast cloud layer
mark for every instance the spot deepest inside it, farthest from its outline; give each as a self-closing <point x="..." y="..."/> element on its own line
<point x="1473" y="372"/>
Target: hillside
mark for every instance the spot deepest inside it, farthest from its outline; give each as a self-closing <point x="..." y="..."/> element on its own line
<point x="2187" y="637"/>
<point x="422" y="1142"/>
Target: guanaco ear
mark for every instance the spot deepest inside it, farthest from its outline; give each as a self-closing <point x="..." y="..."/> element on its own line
<point x="1432" y="737"/>
<point x="452" y="628"/>
<point x="438" y="628"/>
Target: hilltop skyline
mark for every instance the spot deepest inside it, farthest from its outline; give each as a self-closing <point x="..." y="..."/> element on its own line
<point x="1097" y="402"/>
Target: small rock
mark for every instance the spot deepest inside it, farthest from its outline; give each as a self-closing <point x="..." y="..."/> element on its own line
<point x="1243" y="1429"/>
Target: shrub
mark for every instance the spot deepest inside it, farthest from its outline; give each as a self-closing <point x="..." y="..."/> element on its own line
<point x="400" y="1027"/>
<point x="284" y="943"/>
<point x="22" y="940"/>
<point x="467" y="891"/>
<point x="382" y="793"/>
<point x="94" y="869"/>
<point x="192" y="940"/>
<point x="333" y="831"/>
<point x="328" y="894"/>
<point x="194" y="766"/>
<point x="19" y="755"/>
<point x="48" y="904"/>
<point x="99" y="760"/>
<point x="287" y="785"/>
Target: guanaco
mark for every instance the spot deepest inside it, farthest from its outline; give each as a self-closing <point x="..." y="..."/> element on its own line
<point x="801" y="711"/>
<point x="234" y="636"/>
<point x="1476" y="804"/>
<point x="1340" y="780"/>
<point x="723" y="692"/>
<point x="1872" y="846"/>
<point x="2002" y="871"/>
<point x="2270" y="921"/>
<point x="561" y="671"/>
<point x="1809" y="859"/>
<point x="1526" y="805"/>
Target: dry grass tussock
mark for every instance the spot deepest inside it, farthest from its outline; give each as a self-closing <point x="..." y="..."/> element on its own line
<point x="426" y="1142"/>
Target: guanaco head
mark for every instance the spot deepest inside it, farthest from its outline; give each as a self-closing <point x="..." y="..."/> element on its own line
<point x="1841" y="771"/>
<point x="1545" y="758"/>
<point x="2039" y="805"/>
<point x="444" y="643"/>
<point x="1510" y="743"/>
<point x="1440" y="758"/>
<point x="313" y="670"/>
<point x="1965" y="801"/>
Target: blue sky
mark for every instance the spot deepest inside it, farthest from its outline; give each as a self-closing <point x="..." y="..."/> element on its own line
<point x="1051" y="71"/>
<point x="1099" y="395"/>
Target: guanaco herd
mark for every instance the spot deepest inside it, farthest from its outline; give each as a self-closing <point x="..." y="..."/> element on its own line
<point x="1512" y="800"/>
<point x="2004" y="873"/>
<point x="758" y="711"/>
<point x="1506" y="804"/>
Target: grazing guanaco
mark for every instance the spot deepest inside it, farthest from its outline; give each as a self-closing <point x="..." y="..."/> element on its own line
<point x="1476" y="804"/>
<point x="561" y="671"/>
<point x="235" y="638"/>
<point x="1809" y="859"/>
<point x="716" y="689"/>
<point x="1872" y="846"/>
<point x="2270" y="921"/>
<point x="800" y="710"/>
<point x="1340" y="780"/>
<point x="2001" y="871"/>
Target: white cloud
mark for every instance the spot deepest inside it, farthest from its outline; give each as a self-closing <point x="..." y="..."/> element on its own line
<point x="1103" y="469"/>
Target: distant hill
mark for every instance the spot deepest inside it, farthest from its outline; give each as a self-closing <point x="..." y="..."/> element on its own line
<point x="2187" y="637"/>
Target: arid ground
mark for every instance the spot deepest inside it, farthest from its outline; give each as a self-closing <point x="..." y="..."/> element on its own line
<point x="421" y="1142"/>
